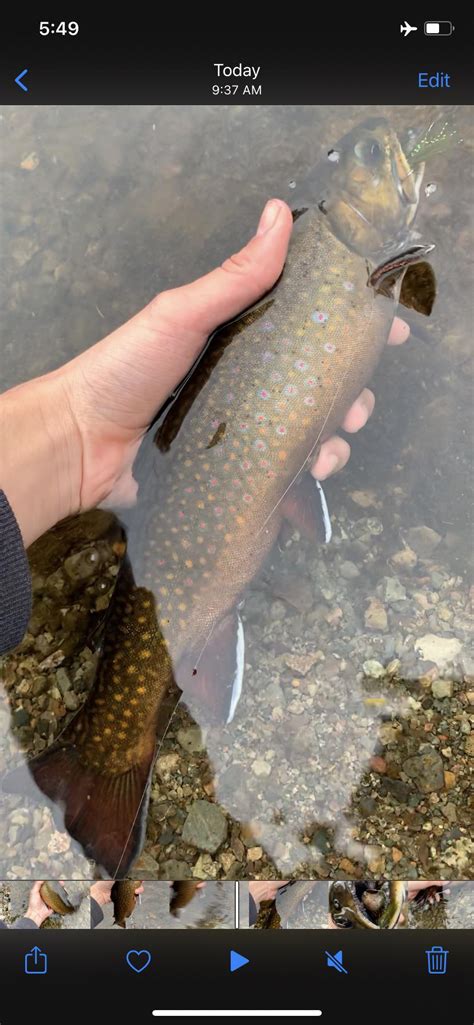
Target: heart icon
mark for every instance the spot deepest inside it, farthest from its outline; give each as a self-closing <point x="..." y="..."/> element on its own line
<point x="138" y="960"/>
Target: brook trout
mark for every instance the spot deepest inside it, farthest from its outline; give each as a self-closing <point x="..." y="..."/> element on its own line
<point x="182" y="894"/>
<point x="124" y="899"/>
<point x="56" y="898"/>
<point x="353" y="905"/>
<point x="236" y="445"/>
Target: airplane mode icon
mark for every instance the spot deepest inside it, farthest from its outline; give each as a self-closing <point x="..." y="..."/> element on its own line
<point x="407" y="28"/>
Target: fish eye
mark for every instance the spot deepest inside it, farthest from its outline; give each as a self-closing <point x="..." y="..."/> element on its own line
<point x="336" y="904"/>
<point x="368" y="152"/>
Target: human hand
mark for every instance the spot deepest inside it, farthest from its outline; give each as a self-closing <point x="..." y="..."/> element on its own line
<point x="415" y="888"/>
<point x="37" y="910"/>
<point x="118" y="385"/>
<point x="77" y="430"/>
<point x="265" y="890"/>
<point x="101" y="892"/>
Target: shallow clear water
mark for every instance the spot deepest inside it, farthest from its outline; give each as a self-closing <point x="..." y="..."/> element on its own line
<point x="350" y="746"/>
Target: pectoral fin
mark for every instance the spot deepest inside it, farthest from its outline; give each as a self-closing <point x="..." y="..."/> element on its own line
<point x="306" y="508"/>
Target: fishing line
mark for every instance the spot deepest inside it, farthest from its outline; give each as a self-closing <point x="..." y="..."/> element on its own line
<point x="137" y="814"/>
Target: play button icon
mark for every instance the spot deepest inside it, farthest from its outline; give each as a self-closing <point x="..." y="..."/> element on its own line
<point x="237" y="961"/>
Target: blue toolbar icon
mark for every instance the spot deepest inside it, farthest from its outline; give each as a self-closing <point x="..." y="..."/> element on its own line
<point x="36" y="962"/>
<point x="19" y="80"/>
<point x="335" y="961"/>
<point x="237" y="961"/>
<point x="437" y="961"/>
<point x="138" y="960"/>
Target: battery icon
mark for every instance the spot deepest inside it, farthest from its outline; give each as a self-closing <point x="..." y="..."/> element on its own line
<point x="439" y="28"/>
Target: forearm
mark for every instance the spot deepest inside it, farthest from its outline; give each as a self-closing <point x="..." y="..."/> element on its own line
<point x="40" y="466"/>
<point x="32" y="920"/>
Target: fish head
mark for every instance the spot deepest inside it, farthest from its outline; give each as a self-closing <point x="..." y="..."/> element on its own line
<point x="341" y="897"/>
<point x="369" y="193"/>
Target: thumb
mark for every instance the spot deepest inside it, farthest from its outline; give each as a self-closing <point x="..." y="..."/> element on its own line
<point x="204" y="304"/>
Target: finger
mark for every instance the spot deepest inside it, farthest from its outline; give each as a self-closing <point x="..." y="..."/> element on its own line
<point x="399" y="332"/>
<point x="333" y="455"/>
<point x="241" y="280"/>
<point x="357" y="416"/>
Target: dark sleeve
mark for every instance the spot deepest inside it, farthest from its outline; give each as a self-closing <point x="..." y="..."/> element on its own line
<point x="25" y="923"/>
<point x="252" y="910"/>
<point x="15" y="582"/>
<point x="3" y="925"/>
<point x="97" y="915"/>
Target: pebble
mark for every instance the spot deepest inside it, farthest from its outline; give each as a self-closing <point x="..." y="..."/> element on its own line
<point x="449" y="779"/>
<point x="375" y="859"/>
<point x="375" y="616"/>
<point x="261" y="768"/>
<point x="435" y="648"/>
<point x="442" y="688"/>
<point x="254" y="853"/>
<point x="469" y="744"/>
<point x="205" y="868"/>
<point x="167" y="764"/>
<point x="205" y="827"/>
<point x="173" y="869"/>
<point x="20" y="717"/>
<point x="191" y="739"/>
<point x="62" y="680"/>
<point x="427" y="770"/>
<point x="347" y="866"/>
<point x="365" y="499"/>
<point x="301" y="663"/>
<point x="146" y="866"/>
<point x="71" y="701"/>
<point x="373" y="669"/>
<point x="378" y="764"/>
<point x="397" y="789"/>
<point x="349" y="570"/>
<point x="449" y="810"/>
<point x="423" y="540"/>
<point x="274" y="694"/>
<point x="405" y="559"/>
<point x="30" y="162"/>
<point x="393" y="590"/>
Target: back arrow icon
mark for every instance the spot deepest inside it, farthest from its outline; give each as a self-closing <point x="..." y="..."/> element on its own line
<point x="19" y="82"/>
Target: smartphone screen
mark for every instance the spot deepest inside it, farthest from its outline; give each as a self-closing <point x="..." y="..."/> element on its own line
<point x="236" y="663"/>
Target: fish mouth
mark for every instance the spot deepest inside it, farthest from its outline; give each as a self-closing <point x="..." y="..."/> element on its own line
<point x="370" y="196"/>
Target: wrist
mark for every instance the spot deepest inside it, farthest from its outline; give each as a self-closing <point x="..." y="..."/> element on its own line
<point x="40" y="460"/>
<point x="37" y="917"/>
<point x="97" y="894"/>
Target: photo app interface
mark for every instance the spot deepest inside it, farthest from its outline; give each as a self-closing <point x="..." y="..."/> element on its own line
<point x="236" y="662"/>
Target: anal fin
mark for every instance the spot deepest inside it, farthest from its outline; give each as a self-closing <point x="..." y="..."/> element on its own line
<point x="212" y="679"/>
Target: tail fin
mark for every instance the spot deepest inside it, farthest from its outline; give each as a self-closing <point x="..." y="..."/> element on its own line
<point x="105" y="814"/>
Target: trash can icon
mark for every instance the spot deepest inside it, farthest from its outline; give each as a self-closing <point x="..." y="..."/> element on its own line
<point x="437" y="961"/>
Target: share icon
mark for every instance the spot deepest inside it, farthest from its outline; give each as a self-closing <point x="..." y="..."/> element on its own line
<point x="335" y="961"/>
